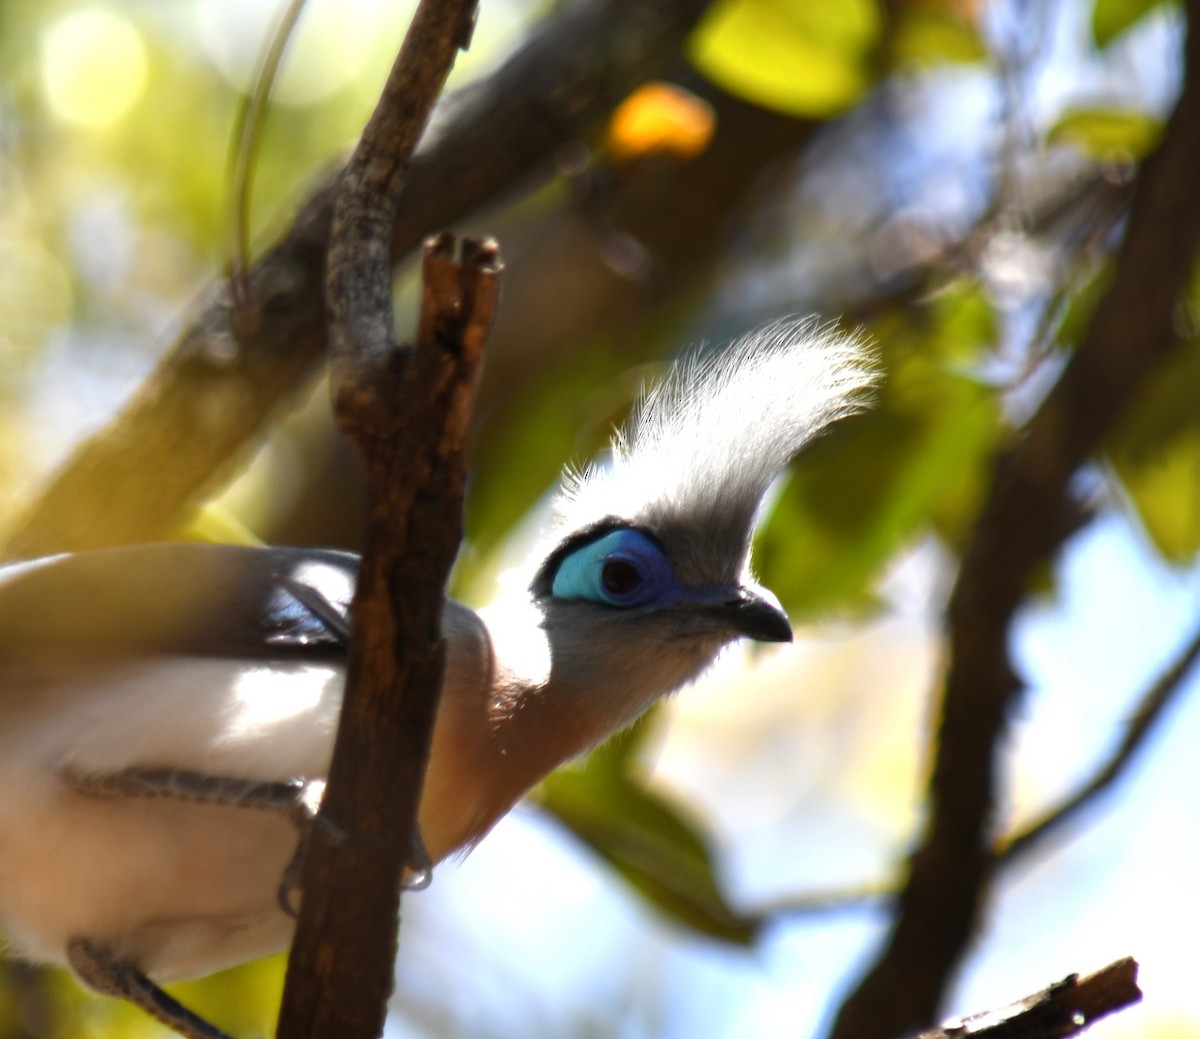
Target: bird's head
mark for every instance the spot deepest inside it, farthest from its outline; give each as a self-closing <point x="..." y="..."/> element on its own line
<point x="649" y="553"/>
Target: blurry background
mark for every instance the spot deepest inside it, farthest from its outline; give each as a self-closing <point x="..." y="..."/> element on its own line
<point x="950" y="174"/>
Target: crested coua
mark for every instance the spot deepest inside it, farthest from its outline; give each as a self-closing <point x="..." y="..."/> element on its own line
<point x="167" y="711"/>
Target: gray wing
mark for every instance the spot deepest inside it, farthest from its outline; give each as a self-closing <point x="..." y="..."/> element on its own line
<point x="207" y="600"/>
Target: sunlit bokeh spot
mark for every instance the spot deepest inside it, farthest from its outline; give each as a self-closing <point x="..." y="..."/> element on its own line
<point x="93" y="67"/>
<point x="661" y="119"/>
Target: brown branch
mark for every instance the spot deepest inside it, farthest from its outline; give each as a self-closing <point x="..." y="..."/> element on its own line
<point x="1061" y="1010"/>
<point x="408" y="412"/>
<point x="1028" y="514"/>
<point x="215" y="392"/>
<point x="345" y="939"/>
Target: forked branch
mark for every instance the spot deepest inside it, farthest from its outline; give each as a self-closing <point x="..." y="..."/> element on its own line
<point x="407" y="409"/>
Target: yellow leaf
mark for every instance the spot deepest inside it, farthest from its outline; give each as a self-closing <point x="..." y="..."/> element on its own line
<point x="660" y="119"/>
<point x="793" y="56"/>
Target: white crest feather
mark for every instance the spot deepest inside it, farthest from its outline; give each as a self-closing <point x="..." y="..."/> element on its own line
<point x="707" y="442"/>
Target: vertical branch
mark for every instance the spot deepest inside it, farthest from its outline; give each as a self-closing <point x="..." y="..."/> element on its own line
<point x="1028" y="515"/>
<point x="407" y="410"/>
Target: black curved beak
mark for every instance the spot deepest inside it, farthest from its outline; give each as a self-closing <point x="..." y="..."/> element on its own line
<point x="752" y="612"/>
<point x="756" y="613"/>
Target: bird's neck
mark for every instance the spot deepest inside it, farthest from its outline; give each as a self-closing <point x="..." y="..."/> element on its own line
<point x="514" y="707"/>
<point x="543" y="711"/>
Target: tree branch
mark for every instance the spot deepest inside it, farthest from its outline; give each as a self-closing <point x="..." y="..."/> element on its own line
<point x="1028" y="514"/>
<point x="408" y="411"/>
<point x="215" y="392"/>
<point x="1061" y="1010"/>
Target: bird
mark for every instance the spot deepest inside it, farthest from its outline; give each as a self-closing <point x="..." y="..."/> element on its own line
<point x="168" y="710"/>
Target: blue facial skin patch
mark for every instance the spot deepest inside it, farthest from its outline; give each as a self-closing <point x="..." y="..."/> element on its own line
<point x="624" y="568"/>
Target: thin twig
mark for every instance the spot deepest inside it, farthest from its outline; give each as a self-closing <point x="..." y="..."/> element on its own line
<point x="248" y="126"/>
<point x="1150" y="709"/>
<point x="408" y="412"/>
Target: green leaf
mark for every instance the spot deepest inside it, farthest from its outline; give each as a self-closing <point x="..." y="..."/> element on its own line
<point x="793" y="56"/>
<point x="1165" y="491"/>
<point x="1110" y="18"/>
<point x="1107" y="134"/>
<point x="647" y="839"/>
<point x="1155" y="453"/>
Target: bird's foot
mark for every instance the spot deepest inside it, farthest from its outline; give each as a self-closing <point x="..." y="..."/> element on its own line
<point x="102" y="971"/>
<point x="418" y="873"/>
<point x="297" y="799"/>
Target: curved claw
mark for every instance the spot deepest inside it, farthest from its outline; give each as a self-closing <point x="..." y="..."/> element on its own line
<point x="289" y="883"/>
<point x="418" y="872"/>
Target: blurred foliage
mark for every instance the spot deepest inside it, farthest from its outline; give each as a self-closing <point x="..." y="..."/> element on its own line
<point x="755" y="48"/>
<point x="1155" y="455"/>
<point x="650" y="841"/>
<point x="1110" y="18"/>
<point x="915" y="461"/>
<point x="567" y="424"/>
<point x="114" y="135"/>
<point x="1107" y="134"/>
<point x="934" y="34"/>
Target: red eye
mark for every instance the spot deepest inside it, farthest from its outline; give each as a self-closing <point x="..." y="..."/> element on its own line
<point x="620" y="577"/>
